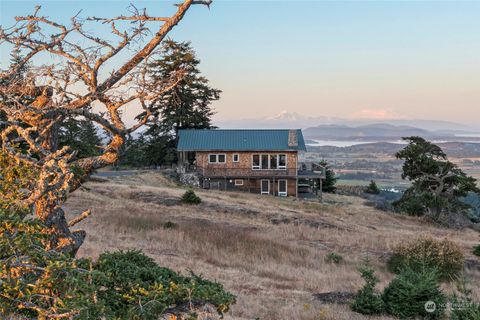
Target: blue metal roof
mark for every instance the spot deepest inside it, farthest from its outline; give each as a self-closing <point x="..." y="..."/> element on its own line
<point x="238" y="140"/>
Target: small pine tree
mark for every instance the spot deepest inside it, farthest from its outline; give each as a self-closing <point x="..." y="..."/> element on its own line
<point x="366" y="300"/>
<point x="328" y="184"/>
<point x="189" y="197"/>
<point x="406" y="295"/>
<point x="372" y="188"/>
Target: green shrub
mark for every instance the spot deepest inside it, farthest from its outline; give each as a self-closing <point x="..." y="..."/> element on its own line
<point x="333" y="257"/>
<point x="462" y="305"/>
<point x="36" y="283"/>
<point x="135" y="287"/>
<point x="476" y="250"/>
<point x="405" y="297"/>
<point x="366" y="300"/>
<point x="189" y="197"/>
<point x="444" y="255"/>
<point x="372" y="188"/>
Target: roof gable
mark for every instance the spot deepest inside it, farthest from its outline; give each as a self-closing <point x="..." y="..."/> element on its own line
<point x="240" y="140"/>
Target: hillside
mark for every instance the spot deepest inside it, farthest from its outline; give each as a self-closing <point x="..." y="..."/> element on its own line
<point x="379" y="131"/>
<point x="453" y="149"/>
<point x="268" y="251"/>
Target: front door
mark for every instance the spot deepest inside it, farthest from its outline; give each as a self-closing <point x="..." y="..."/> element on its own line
<point x="265" y="187"/>
<point x="282" y="188"/>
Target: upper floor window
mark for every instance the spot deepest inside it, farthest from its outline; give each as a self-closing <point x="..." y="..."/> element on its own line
<point x="236" y="157"/>
<point x="269" y="161"/>
<point x="217" y="158"/>
<point x="256" y="161"/>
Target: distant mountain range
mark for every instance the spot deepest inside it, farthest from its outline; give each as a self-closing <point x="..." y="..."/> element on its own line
<point x="368" y="130"/>
<point x="287" y="119"/>
<point x="378" y="131"/>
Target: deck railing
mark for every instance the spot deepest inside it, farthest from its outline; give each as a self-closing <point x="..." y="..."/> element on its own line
<point x="216" y="171"/>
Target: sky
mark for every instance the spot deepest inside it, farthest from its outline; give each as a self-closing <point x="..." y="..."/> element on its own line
<point x="347" y="59"/>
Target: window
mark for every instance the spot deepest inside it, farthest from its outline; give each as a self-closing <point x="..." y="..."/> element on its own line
<point x="269" y="161"/>
<point x="282" y="188"/>
<point x="236" y="158"/>
<point x="264" y="161"/>
<point x="273" y="161"/>
<point x="255" y="161"/>
<point x="282" y="161"/>
<point x="212" y="158"/>
<point x="216" y="158"/>
<point x="239" y="182"/>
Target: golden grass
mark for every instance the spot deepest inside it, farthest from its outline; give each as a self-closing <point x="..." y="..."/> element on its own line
<point x="268" y="251"/>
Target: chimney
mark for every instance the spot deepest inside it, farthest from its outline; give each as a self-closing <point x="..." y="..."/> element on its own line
<point x="292" y="138"/>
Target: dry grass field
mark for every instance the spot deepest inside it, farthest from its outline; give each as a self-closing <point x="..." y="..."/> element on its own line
<point x="268" y="251"/>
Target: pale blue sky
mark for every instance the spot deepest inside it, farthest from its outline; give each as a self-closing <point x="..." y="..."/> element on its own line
<point x="323" y="58"/>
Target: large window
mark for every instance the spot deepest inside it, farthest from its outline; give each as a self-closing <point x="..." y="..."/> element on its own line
<point x="282" y="161"/>
<point x="264" y="161"/>
<point x="273" y="161"/>
<point x="256" y="161"/>
<point x="217" y="158"/>
<point x="269" y="161"/>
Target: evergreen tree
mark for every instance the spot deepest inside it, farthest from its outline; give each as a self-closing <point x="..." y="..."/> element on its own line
<point x="372" y="188"/>
<point x="133" y="153"/>
<point x="80" y="135"/>
<point x="438" y="185"/>
<point x="187" y="106"/>
<point x="328" y="184"/>
<point x="19" y="77"/>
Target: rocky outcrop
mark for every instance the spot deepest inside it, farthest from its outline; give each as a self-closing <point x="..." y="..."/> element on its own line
<point x="190" y="179"/>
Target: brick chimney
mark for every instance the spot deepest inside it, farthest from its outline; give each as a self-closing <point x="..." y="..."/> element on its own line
<point x="292" y="138"/>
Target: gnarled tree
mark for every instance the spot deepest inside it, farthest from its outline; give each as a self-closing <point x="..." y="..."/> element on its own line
<point x="83" y="78"/>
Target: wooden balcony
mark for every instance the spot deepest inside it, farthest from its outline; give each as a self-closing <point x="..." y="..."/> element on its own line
<point x="216" y="171"/>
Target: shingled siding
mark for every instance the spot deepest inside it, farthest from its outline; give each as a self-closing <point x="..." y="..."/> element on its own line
<point x="244" y="166"/>
<point x="243" y="170"/>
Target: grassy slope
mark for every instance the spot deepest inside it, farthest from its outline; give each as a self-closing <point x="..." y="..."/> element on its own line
<point x="268" y="251"/>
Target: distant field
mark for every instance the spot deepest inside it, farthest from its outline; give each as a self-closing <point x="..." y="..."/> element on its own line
<point x="268" y="251"/>
<point x="382" y="183"/>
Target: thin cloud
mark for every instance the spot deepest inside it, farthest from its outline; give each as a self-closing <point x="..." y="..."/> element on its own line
<point x="378" y="114"/>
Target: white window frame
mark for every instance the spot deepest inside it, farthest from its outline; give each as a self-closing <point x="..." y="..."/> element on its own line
<point x="216" y="157"/>
<point x="279" y="167"/>
<point x="261" y="186"/>
<point x="238" y="182"/>
<point x="236" y="155"/>
<point x="259" y="162"/>
<point x="282" y="193"/>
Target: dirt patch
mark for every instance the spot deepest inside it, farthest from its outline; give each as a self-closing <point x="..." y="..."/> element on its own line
<point x="230" y="209"/>
<point x="318" y="224"/>
<point x="157" y="198"/>
<point x="340" y="297"/>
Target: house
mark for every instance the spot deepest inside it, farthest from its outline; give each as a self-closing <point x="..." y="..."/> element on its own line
<point x="263" y="161"/>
